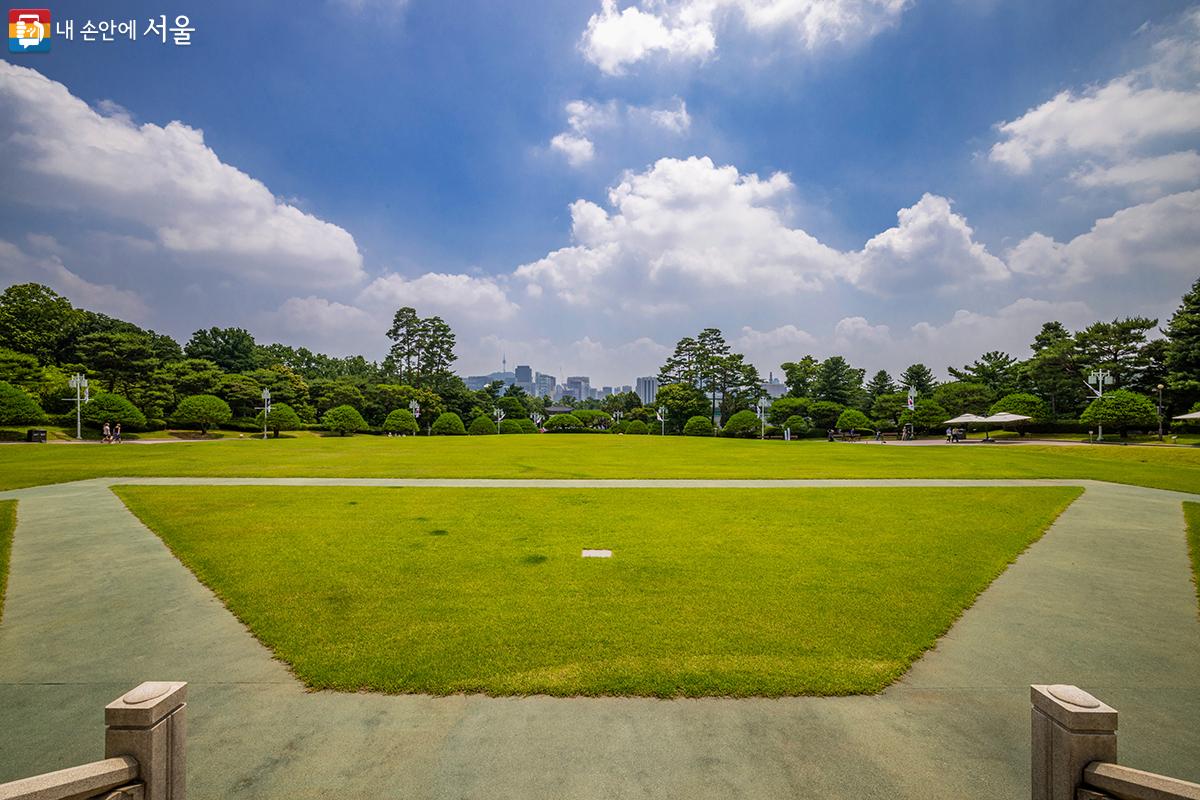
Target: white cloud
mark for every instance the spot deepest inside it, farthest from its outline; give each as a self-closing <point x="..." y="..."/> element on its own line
<point x="615" y="38"/>
<point x="578" y="150"/>
<point x="931" y="248"/>
<point x="1159" y="236"/>
<point x="1110" y="120"/>
<point x="852" y="331"/>
<point x="686" y="29"/>
<point x="1144" y="176"/>
<point x="585" y="119"/>
<point x="1119" y="120"/>
<point x="675" y="120"/>
<point x="681" y="228"/>
<point x="47" y="267"/>
<point x="457" y="297"/>
<point x="166" y="179"/>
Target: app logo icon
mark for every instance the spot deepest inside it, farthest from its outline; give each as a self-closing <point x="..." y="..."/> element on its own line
<point x="29" y="30"/>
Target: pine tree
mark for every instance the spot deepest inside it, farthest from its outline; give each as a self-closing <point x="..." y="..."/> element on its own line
<point x="919" y="377"/>
<point x="1183" y="351"/>
<point x="881" y="383"/>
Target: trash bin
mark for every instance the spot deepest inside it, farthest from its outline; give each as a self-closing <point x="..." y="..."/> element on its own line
<point x="35" y="435"/>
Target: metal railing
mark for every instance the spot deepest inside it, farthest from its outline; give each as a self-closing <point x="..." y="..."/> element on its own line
<point x="145" y="753"/>
<point x="1074" y="753"/>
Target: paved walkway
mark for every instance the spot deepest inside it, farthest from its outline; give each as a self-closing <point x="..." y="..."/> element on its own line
<point x="97" y="604"/>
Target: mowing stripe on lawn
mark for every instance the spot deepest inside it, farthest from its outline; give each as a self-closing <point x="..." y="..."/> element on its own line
<point x="8" y="522"/>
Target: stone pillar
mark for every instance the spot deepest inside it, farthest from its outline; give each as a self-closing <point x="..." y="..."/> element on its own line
<point x="149" y="723"/>
<point x="1071" y="729"/>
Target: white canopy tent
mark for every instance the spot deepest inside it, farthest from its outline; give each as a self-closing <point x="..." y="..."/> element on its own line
<point x="1193" y="415"/>
<point x="1002" y="418"/>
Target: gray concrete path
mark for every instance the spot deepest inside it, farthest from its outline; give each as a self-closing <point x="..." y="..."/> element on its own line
<point x="97" y="604"/>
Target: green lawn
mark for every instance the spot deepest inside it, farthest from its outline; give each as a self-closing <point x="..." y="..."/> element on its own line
<point x="1192" y="512"/>
<point x="710" y="591"/>
<point x="561" y="456"/>
<point x="8" y="521"/>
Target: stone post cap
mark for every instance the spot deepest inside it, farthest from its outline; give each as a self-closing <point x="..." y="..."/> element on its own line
<point x="145" y="705"/>
<point x="1073" y="708"/>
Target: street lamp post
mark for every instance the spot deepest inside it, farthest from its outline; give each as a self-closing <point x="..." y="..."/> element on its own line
<point x="1160" y="414"/>
<point x="538" y="419"/>
<point x="415" y="408"/>
<point x="661" y="416"/>
<point x="1101" y="378"/>
<point x="266" y="409"/>
<point x="762" y="406"/>
<point x="499" y="415"/>
<point x="80" y="384"/>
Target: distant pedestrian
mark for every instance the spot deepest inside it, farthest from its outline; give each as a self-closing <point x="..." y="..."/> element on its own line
<point x="117" y="433"/>
<point x="107" y="433"/>
<point x="949" y="435"/>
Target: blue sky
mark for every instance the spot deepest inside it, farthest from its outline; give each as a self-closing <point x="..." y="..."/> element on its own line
<point x="579" y="184"/>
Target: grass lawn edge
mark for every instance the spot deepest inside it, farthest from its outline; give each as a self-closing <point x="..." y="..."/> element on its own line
<point x="1191" y="513"/>
<point x="8" y="524"/>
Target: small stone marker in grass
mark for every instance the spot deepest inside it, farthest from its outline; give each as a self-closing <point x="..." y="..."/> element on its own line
<point x="597" y="553"/>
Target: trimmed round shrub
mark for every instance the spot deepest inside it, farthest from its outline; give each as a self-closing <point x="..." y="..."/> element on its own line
<point x="527" y="425"/>
<point x="17" y="407"/>
<point x="282" y="418"/>
<point x="401" y="421"/>
<point x="482" y="426"/>
<point x="1022" y="403"/>
<point x="743" y="425"/>
<point x="105" y="407"/>
<point x="853" y="418"/>
<point x="619" y="427"/>
<point x="636" y="428"/>
<point x="343" y="420"/>
<point x="797" y="424"/>
<point x="508" y="426"/>
<point x="698" y="426"/>
<point x="448" y="424"/>
<point x="202" y="410"/>
<point x="1121" y="409"/>
<point x="563" y="423"/>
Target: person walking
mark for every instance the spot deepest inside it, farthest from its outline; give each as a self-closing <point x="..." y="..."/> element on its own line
<point x="117" y="434"/>
<point x="107" y="433"/>
<point x="949" y="435"/>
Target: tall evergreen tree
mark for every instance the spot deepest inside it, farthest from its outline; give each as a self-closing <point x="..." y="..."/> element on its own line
<point x="838" y="382"/>
<point x="919" y="377"/>
<point x="996" y="370"/>
<point x="1183" y="351"/>
<point x="881" y="383"/>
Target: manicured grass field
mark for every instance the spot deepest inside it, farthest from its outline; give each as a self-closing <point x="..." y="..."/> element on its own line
<point x="710" y="591"/>
<point x="1192" y="512"/>
<point x="564" y="456"/>
<point x="8" y="521"/>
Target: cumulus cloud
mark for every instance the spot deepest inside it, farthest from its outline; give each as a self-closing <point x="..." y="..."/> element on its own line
<point x="455" y="296"/>
<point x="931" y="248"/>
<point x="46" y="266"/>
<point x="1144" y="176"/>
<point x="1112" y="119"/>
<point x="615" y="38"/>
<point x="686" y="29"/>
<point x="1119" y="122"/>
<point x="585" y="119"/>
<point x="1159" y="236"/>
<point x="165" y="179"/>
<point x="679" y="227"/>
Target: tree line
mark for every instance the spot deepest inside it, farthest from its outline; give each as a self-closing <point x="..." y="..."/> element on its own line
<point x="147" y="380"/>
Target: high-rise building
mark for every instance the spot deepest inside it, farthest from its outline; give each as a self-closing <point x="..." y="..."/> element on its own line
<point x="579" y="387"/>
<point x="544" y="385"/>
<point x="524" y="374"/>
<point x="626" y="389"/>
<point x="773" y="388"/>
<point x="647" y="389"/>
